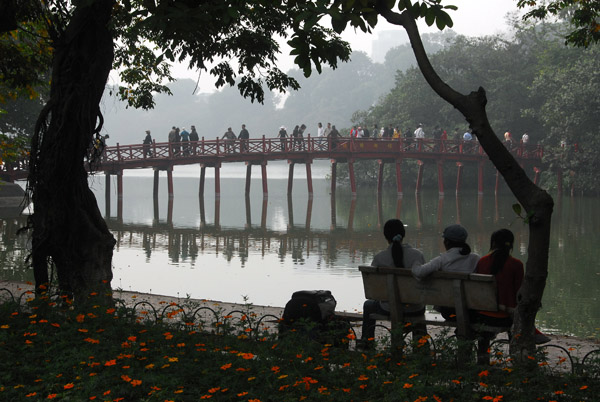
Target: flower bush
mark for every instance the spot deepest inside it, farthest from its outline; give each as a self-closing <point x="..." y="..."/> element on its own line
<point x="50" y="349"/>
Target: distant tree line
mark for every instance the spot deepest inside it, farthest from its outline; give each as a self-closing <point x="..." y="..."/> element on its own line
<point x="534" y="84"/>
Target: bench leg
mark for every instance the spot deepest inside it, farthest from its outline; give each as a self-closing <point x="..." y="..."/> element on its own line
<point x="483" y="350"/>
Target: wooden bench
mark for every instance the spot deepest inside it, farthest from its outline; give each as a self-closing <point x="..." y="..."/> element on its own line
<point x="461" y="291"/>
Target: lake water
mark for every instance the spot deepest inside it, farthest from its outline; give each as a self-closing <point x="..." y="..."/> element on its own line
<point x="239" y="248"/>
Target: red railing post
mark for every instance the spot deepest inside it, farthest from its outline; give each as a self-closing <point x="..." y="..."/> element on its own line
<point x="264" y="144"/>
<point x="118" y="152"/>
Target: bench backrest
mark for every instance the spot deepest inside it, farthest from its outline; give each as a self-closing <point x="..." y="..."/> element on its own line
<point x="477" y="291"/>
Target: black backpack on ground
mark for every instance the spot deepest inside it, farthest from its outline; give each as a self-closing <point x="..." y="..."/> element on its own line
<point x="312" y="313"/>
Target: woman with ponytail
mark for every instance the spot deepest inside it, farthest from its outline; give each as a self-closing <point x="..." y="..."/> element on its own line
<point x="509" y="277"/>
<point x="397" y="255"/>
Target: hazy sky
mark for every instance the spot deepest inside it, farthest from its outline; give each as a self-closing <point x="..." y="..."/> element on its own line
<point x="473" y="18"/>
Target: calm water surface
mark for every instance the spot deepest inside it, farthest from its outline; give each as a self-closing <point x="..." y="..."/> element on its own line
<point x="264" y="250"/>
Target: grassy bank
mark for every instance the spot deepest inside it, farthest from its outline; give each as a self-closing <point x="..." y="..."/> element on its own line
<point x="50" y="350"/>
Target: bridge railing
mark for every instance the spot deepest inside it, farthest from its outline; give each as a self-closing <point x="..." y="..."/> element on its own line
<point x="315" y="145"/>
<point x="266" y="146"/>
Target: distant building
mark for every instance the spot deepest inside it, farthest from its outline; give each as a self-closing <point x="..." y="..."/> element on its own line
<point x="385" y="41"/>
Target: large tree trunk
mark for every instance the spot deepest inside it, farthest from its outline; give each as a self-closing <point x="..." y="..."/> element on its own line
<point x="68" y="230"/>
<point x="537" y="203"/>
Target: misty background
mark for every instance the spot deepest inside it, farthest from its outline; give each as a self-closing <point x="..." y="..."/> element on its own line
<point x="332" y="96"/>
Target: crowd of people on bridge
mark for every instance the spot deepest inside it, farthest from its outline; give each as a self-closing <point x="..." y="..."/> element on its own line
<point x="184" y="143"/>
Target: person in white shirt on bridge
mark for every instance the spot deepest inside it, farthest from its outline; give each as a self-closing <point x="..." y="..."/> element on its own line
<point x="419" y="132"/>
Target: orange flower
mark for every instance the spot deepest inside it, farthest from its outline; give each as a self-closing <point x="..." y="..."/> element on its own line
<point x="484" y="373"/>
<point x="51" y="396"/>
<point x="242" y="394"/>
<point x="31" y="394"/>
<point x="135" y="383"/>
<point x="125" y="378"/>
<point x="80" y="318"/>
<point x="247" y="356"/>
<point x="213" y="390"/>
<point x="407" y="385"/>
<point x="363" y="386"/>
<point x="106" y="392"/>
<point x="132" y="338"/>
<point x="110" y="310"/>
<point x="111" y="362"/>
<point x="307" y="381"/>
<point x="363" y="377"/>
<point x="225" y="366"/>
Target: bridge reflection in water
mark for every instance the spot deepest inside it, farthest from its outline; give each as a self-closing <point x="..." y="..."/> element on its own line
<point x="298" y="239"/>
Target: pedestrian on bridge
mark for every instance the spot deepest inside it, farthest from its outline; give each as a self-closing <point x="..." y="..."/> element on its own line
<point x="282" y="134"/>
<point x="147" y="142"/>
<point x="243" y="137"/>
<point x="229" y="138"/>
<point x="185" y="139"/>
<point x="174" y="140"/>
<point x="194" y="139"/>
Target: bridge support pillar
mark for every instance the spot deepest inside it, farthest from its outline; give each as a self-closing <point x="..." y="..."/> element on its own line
<point x="170" y="211"/>
<point x="309" y="180"/>
<point x="459" y="167"/>
<point x="480" y="178"/>
<point x="248" y="177"/>
<point x="217" y="183"/>
<point x="309" y="205"/>
<point x="419" y="177"/>
<point x="559" y="182"/>
<point x="440" y="169"/>
<point x="155" y="183"/>
<point x="497" y="186"/>
<point x="399" y="177"/>
<point x="107" y="194"/>
<point x="333" y="176"/>
<point x="352" y="178"/>
<point x="263" y="170"/>
<point x="202" y="181"/>
<point x="290" y="177"/>
<point x="380" y="177"/>
<point x="170" y="181"/>
<point x="120" y="196"/>
<point x="120" y="184"/>
<point x="536" y="178"/>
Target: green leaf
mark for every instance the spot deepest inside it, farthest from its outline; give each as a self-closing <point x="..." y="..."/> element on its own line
<point x="517" y="208"/>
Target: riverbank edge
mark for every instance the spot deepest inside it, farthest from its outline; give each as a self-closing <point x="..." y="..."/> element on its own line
<point x="578" y="347"/>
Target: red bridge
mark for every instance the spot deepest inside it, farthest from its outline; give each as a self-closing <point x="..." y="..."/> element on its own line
<point x="213" y="153"/>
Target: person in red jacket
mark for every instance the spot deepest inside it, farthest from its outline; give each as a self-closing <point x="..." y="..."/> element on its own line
<point x="509" y="274"/>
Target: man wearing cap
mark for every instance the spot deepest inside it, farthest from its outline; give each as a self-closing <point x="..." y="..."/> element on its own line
<point x="457" y="258"/>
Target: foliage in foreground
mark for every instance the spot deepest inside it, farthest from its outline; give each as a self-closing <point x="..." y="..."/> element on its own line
<point x="52" y="351"/>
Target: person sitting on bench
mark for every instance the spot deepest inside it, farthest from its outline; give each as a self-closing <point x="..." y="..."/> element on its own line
<point x="399" y="255"/>
<point x="509" y="277"/>
<point x="457" y="258"/>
